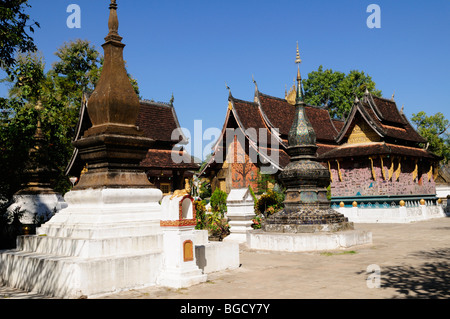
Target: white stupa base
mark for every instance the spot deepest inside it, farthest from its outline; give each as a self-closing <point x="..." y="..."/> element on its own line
<point x="181" y="277"/>
<point x="298" y="242"/>
<point x="107" y="240"/>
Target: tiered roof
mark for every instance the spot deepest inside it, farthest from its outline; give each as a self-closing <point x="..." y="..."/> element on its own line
<point x="394" y="133"/>
<point x="157" y="121"/>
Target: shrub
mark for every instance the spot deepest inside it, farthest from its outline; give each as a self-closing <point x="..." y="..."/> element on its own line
<point x="217" y="225"/>
<point x="219" y="201"/>
<point x="205" y="190"/>
<point x="269" y="203"/>
<point x="200" y="210"/>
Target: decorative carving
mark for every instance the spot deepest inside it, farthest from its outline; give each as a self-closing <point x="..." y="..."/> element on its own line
<point x="382" y="168"/>
<point x="329" y="169"/>
<point x="391" y="170"/>
<point x="416" y="170"/>
<point x="362" y="133"/>
<point x="430" y="173"/>
<point x="374" y="175"/>
<point x="182" y="192"/>
<point x="399" y="169"/>
<point x="339" y="170"/>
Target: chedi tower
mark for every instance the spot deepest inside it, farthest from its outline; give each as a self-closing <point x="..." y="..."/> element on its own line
<point x="307" y="209"/>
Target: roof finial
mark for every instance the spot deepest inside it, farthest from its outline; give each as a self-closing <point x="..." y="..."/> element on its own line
<point x="228" y="88"/>
<point x="298" y="61"/>
<point x="393" y="94"/>
<point x="113" y="23"/>
<point x="256" y="84"/>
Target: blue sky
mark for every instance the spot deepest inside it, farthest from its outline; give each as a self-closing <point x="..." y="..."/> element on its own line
<point x="191" y="48"/>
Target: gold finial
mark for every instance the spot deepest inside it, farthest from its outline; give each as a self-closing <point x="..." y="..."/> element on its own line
<point x="299" y="94"/>
<point x="298" y="60"/>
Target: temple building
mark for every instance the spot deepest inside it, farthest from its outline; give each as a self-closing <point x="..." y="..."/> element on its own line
<point x="261" y="127"/>
<point x="375" y="157"/>
<point x="162" y="171"/>
<point x="380" y="157"/>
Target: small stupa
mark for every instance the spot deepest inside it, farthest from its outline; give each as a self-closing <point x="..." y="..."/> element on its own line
<point x="37" y="200"/>
<point x="307" y="208"/>
<point x="307" y="222"/>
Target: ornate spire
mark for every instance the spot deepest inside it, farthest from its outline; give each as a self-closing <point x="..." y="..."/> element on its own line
<point x="113" y="23"/>
<point x="298" y="61"/>
<point x="114" y="102"/>
<point x="301" y="133"/>
<point x="114" y="146"/>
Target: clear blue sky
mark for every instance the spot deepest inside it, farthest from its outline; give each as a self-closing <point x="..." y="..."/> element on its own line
<point x="191" y="48"/>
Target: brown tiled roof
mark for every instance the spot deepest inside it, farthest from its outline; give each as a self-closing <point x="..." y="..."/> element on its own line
<point x="280" y="114"/>
<point x="369" y="149"/>
<point x="169" y="159"/>
<point x="396" y="129"/>
<point x="338" y="124"/>
<point x="387" y="110"/>
<point x="403" y="131"/>
<point x="157" y="121"/>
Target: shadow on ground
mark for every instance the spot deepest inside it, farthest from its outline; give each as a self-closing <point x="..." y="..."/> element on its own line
<point x="430" y="280"/>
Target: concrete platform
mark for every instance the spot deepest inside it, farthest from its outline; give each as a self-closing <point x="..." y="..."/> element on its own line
<point x="413" y="260"/>
<point x="296" y="242"/>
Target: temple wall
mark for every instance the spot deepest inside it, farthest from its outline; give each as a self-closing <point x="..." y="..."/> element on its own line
<point x="244" y="173"/>
<point x="358" y="179"/>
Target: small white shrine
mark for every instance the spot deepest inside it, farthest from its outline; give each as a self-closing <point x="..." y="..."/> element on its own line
<point x="178" y="222"/>
<point x="240" y="212"/>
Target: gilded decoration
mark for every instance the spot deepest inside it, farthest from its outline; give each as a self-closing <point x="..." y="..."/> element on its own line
<point x="290" y="97"/>
<point x="329" y="169"/>
<point x="339" y="170"/>
<point x="416" y="170"/>
<point x="430" y="173"/>
<point x="382" y="168"/>
<point x="391" y="170"/>
<point x="188" y="251"/>
<point x="374" y="175"/>
<point x="362" y="133"/>
<point x="399" y="169"/>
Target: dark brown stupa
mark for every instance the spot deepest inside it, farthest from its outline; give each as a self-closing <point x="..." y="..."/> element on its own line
<point x="307" y="208"/>
<point x="114" y="146"/>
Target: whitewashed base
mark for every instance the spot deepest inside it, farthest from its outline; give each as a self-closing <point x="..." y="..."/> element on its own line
<point x="107" y="240"/>
<point x="215" y="255"/>
<point x="405" y="214"/>
<point x="298" y="242"/>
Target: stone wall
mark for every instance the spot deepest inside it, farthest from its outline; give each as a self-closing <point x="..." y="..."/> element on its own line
<point x="358" y="180"/>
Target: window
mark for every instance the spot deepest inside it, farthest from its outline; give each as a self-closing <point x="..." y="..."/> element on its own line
<point x="165" y="188"/>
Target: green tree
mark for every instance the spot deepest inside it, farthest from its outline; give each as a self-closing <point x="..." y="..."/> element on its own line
<point x="434" y="129"/>
<point x="76" y="71"/>
<point x="15" y="29"/>
<point x="60" y="92"/>
<point x="336" y="90"/>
